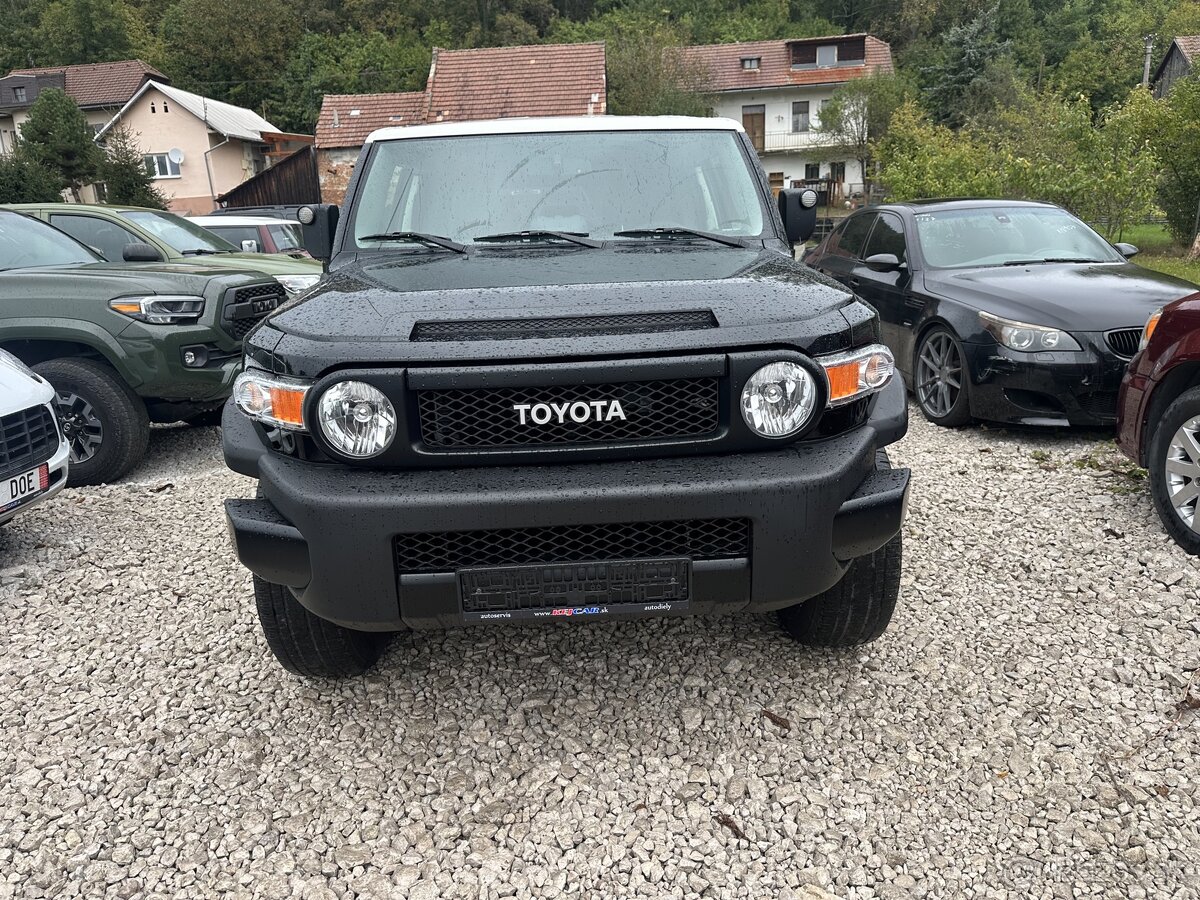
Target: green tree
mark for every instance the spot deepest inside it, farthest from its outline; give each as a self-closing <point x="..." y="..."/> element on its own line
<point x="919" y="158"/>
<point x="87" y="31"/>
<point x="124" y="173"/>
<point x="58" y="136"/>
<point x="25" y="180"/>
<point x="963" y="83"/>
<point x="1172" y="126"/>
<point x="857" y="117"/>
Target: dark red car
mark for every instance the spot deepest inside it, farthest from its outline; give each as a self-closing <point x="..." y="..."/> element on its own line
<point x="1158" y="412"/>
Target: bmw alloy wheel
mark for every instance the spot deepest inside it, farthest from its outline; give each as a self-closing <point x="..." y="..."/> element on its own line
<point x="1183" y="472"/>
<point x="80" y="426"/>
<point x="939" y="375"/>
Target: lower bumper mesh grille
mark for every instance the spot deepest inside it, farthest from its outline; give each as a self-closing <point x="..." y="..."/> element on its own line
<point x="445" y="551"/>
<point x="27" y="438"/>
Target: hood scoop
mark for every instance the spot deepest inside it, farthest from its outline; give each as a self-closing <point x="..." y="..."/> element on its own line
<point x="563" y="326"/>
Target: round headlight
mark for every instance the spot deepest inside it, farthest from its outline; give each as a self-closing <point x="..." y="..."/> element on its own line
<point x="357" y="419"/>
<point x="779" y="399"/>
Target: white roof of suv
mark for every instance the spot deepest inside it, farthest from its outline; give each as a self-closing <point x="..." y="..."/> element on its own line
<point x="549" y="124"/>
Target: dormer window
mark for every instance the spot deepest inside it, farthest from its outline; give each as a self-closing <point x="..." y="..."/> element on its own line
<point x="751" y="63"/>
<point x="19" y="94"/>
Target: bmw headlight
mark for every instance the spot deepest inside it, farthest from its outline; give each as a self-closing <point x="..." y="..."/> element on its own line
<point x="1026" y="338"/>
<point x="357" y="419"/>
<point x="779" y="399"/>
<point x="294" y="284"/>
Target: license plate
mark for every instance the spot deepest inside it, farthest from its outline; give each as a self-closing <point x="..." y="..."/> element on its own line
<point x="21" y="487"/>
<point x="562" y="590"/>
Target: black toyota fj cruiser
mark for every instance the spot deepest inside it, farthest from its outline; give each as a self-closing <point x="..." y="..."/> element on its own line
<point x="564" y="368"/>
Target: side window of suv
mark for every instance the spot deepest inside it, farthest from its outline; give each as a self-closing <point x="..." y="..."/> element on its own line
<point x="888" y="237"/>
<point x="852" y="234"/>
<point x="100" y="234"/>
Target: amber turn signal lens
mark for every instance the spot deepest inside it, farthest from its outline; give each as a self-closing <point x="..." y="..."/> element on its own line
<point x="1148" y="331"/>
<point x="271" y="398"/>
<point x="857" y="373"/>
<point x="843" y="381"/>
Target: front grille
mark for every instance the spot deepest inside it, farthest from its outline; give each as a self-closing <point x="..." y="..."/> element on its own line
<point x="487" y="417"/>
<point x="1124" y="342"/>
<point x="563" y="326"/>
<point x="27" y="438"/>
<point x="446" y="551"/>
<point x="247" y="306"/>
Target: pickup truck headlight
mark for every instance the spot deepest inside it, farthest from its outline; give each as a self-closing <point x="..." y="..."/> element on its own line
<point x="161" y="309"/>
<point x="1026" y="338"/>
<point x="271" y="398"/>
<point x="857" y="373"/>
<point x="357" y="419"/>
<point x="294" y="284"/>
<point x="779" y="399"/>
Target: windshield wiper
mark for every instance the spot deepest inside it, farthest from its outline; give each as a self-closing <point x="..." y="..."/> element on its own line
<point x="671" y="231"/>
<point x="1050" y="259"/>
<point x="575" y="237"/>
<point x="203" y="251"/>
<point x="418" y="237"/>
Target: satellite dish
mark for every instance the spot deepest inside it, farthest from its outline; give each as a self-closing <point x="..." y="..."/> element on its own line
<point x="175" y="155"/>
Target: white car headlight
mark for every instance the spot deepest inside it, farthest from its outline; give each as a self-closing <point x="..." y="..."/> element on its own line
<point x="1027" y="338"/>
<point x="161" y="309"/>
<point x="779" y="399"/>
<point x="273" y="399"/>
<point x="294" y="284"/>
<point x="357" y="419"/>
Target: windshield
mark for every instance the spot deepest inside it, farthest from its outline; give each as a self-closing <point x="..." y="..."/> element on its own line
<point x="287" y="236"/>
<point x="184" y="236"/>
<point x="26" y="241"/>
<point x="591" y="183"/>
<point x="994" y="236"/>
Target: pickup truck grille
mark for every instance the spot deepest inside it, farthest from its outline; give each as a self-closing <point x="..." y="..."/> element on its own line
<point x="577" y="414"/>
<point x="27" y="438"/>
<point x="446" y="551"/>
<point x="245" y="307"/>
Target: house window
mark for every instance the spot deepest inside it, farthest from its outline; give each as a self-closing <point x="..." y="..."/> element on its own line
<point x="152" y="109"/>
<point x="159" y="165"/>
<point x="751" y="63"/>
<point x="800" y="121"/>
<point x="812" y="171"/>
<point x="827" y="56"/>
<point x="165" y="107"/>
<point x="19" y="94"/>
<point x="804" y="56"/>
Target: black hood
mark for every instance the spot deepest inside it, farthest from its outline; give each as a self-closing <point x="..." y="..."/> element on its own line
<point x="756" y="297"/>
<point x="1071" y="296"/>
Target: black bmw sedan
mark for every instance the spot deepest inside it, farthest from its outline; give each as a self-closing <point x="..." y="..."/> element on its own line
<point x="997" y="309"/>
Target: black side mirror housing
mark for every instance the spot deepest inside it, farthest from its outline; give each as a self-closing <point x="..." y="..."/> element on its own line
<point x="318" y="222"/>
<point x="798" y="209"/>
<point x="882" y="262"/>
<point x="1127" y="250"/>
<point x="138" y="251"/>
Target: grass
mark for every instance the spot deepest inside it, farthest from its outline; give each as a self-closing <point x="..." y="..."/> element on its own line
<point x="1161" y="253"/>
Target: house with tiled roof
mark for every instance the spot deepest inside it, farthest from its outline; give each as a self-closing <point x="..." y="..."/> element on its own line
<point x="1178" y="63"/>
<point x="776" y="90"/>
<point x="464" y="85"/>
<point x="100" y="89"/>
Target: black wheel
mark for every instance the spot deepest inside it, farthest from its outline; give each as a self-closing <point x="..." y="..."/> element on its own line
<point x="308" y="645"/>
<point x="104" y="421"/>
<point x="1174" y="461"/>
<point x="940" y="379"/>
<point x="854" y="611"/>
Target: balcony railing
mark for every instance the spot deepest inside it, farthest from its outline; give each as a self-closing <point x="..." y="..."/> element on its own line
<point x="775" y="141"/>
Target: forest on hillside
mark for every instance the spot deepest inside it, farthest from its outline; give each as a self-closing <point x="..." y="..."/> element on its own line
<point x="279" y="57"/>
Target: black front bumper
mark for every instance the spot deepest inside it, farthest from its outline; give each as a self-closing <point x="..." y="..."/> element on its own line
<point x="1060" y="388"/>
<point x="329" y="532"/>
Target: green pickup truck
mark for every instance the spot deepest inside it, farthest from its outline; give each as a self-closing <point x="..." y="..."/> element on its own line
<point x="136" y="235"/>
<point x="122" y="345"/>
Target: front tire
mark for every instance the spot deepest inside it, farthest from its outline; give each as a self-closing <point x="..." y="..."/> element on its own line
<point x="1174" y="461"/>
<point x="104" y="421"/>
<point x="941" y="380"/>
<point x="857" y="609"/>
<point x="308" y="645"/>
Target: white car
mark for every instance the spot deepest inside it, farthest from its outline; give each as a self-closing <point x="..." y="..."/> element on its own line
<point x="256" y="234"/>
<point x="33" y="449"/>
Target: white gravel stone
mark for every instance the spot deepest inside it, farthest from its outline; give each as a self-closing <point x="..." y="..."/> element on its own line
<point x="1016" y="734"/>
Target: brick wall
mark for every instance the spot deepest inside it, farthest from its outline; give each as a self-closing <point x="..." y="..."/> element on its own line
<point x="335" y="167"/>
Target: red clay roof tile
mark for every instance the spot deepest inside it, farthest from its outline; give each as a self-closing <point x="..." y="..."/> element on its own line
<point x="102" y="84"/>
<point x="719" y="66"/>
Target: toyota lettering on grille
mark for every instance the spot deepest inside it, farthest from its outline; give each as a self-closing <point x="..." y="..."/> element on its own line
<point x="577" y="411"/>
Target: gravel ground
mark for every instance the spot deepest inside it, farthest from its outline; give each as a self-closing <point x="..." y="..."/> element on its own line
<point x="1020" y="732"/>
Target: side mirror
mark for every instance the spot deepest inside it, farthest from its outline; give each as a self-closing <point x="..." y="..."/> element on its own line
<point x="249" y="246"/>
<point x="1127" y="250"/>
<point x="798" y="209"/>
<point x="140" y="252"/>
<point x="882" y="262"/>
<point x="318" y="223"/>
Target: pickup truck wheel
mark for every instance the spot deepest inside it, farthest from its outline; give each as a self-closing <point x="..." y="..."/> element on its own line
<point x="854" y="611"/>
<point x="104" y="421"/>
<point x="308" y="645"/>
<point x="1174" y="461"/>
